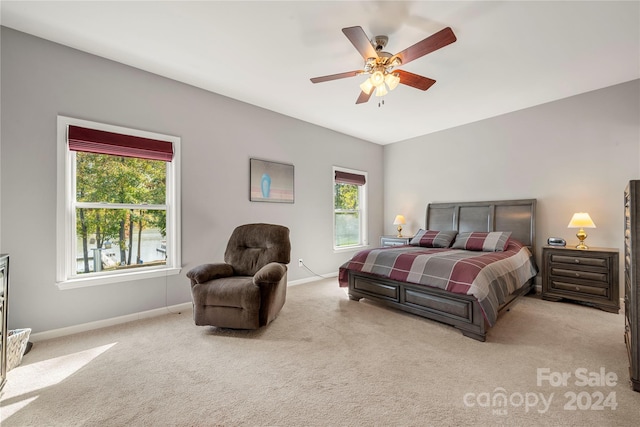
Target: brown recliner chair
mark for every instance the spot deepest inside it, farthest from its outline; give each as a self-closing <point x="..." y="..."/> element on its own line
<point x="248" y="290"/>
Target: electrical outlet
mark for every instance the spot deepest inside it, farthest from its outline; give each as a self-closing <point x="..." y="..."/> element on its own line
<point x="300" y="263"/>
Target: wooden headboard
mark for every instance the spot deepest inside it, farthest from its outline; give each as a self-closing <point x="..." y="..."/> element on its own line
<point x="517" y="216"/>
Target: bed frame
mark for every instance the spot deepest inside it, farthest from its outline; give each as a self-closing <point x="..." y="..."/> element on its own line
<point x="460" y="311"/>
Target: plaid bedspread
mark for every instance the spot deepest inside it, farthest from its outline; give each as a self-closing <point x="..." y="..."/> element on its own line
<point x="488" y="276"/>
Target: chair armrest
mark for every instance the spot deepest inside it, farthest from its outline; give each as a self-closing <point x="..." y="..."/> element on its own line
<point x="270" y="273"/>
<point x="205" y="272"/>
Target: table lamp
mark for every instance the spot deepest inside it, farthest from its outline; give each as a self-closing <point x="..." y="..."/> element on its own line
<point x="399" y="221"/>
<point x="581" y="220"/>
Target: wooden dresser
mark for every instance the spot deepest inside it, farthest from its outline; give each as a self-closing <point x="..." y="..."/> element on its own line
<point x="589" y="276"/>
<point x="4" y="302"/>
<point x="632" y="280"/>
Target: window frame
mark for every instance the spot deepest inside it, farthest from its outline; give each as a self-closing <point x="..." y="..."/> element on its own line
<point x="66" y="278"/>
<point x="364" y="211"/>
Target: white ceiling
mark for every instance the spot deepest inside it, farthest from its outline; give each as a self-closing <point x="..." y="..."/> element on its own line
<point x="508" y="56"/>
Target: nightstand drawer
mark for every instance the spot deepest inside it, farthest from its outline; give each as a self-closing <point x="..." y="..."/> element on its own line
<point x="386" y="241"/>
<point x="394" y="243"/>
<point x="578" y="260"/>
<point x="580" y="288"/>
<point x="577" y="274"/>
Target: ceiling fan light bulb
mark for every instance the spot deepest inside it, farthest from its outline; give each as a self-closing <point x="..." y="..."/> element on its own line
<point x="381" y="90"/>
<point x="377" y="78"/>
<point x="366" y="86"/>
<point x="392" y="80"/>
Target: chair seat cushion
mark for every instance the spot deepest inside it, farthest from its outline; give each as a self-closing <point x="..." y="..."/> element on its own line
<point x="235" y="291"/>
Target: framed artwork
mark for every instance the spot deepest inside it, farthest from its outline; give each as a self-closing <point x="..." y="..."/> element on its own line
<point x="270" y="181"/>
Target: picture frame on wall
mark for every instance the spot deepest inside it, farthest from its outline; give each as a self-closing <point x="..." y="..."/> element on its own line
<point x="271" y="181"/>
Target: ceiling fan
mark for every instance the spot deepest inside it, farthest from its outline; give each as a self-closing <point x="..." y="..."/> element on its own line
<point x="381" y="65"/>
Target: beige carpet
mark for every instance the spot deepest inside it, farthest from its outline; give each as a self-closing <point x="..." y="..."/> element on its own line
<point x="329" y="361"/>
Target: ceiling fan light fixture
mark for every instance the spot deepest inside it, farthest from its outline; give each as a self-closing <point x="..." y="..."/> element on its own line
<point x="366" y="86"/>
<point x="381" y="90"/>
<point x="377" y="78"/>
<point x="392" y="80"/>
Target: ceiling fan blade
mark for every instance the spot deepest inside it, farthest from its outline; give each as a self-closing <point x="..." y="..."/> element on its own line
<point x="364" y="97"/>
<point x="434" y="42"/>
<point x="414" y="80"/>
<point x="360" y="41"/>
<point x="336" y="76"/>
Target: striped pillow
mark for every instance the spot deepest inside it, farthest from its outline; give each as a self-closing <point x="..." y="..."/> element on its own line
<point x="433" y="239"/>
<point x="494" y="241"/>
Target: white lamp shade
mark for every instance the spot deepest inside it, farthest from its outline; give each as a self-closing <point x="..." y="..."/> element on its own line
<point x="366" y="86"/>
<point x="399" y="220"/>
<point x="581" y="220"/>
<point x="392" y="81"/>
<point x="381" y="90"/>
<point x="377" y="78"/>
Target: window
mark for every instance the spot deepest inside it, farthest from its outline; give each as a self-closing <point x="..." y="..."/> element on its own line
<point x="349" y="204"/>
<point x="118" y="204"/>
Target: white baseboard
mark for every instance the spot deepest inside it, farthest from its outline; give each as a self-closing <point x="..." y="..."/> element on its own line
<point x="56" y="333"/>
<point x="311" y="279"/>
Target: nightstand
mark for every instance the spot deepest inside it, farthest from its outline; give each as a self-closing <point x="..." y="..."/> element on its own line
<point x="386" y="241"/>
<point x="589" y="276"/>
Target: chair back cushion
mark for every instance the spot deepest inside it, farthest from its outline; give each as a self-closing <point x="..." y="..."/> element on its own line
<point x="252" y="246"/>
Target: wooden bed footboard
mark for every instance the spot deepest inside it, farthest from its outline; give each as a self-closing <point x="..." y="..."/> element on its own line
<point x="460" y="311"/>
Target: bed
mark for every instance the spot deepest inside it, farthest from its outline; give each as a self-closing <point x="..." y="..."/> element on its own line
<point x="470" y="302"/>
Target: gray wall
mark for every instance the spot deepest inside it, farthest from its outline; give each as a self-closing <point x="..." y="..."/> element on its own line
<point x="41" y="79"/>
<point x="573" y="155"/>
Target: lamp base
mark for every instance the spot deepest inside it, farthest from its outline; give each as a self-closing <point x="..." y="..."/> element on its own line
<point x="399" y="231"/>
<point x="581" y="235"/>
